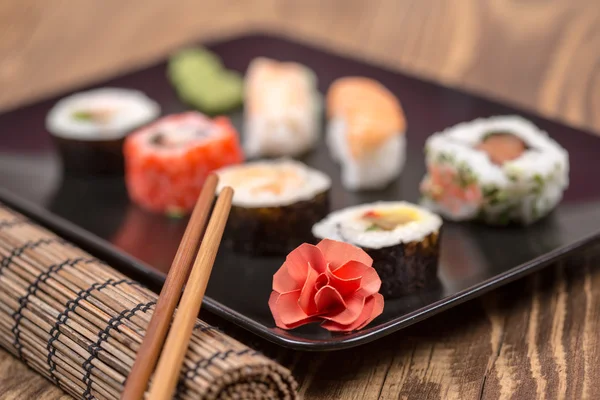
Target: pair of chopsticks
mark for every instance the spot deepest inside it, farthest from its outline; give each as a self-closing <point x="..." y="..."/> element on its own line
<point x="173" y="352"/>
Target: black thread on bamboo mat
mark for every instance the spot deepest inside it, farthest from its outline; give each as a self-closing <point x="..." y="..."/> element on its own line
<point x="200" y="327"/>
<point x="64" y="316"/>
<point x="32" y="290"/>
<point x="192" y="372"/>
<point x="17" y="251"/>
<point x="104" y="335"/>
<point x="13" y="222"/>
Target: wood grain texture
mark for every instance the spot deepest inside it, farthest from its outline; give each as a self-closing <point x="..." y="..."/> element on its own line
<point x="536" y="338"/>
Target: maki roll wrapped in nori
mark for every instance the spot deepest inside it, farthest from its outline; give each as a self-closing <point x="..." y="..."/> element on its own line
<point x="499" y="170"/>
<point x="89" y="128"/>
<point x="402" y="238"/>
<point x="275" y="205"/>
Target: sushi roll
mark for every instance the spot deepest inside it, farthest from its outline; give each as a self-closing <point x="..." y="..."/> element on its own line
<point x="365" y="132"/>
<point x="275" y="205"/>
<point x="89" y="128"/>
<point x="403" y="239"/>
<point x="282" y="109"/>
<point x="499" y="170"/>
<point x="167" y="162"/>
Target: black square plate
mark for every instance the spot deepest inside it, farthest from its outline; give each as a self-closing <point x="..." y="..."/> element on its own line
<point x="96" y="213"/>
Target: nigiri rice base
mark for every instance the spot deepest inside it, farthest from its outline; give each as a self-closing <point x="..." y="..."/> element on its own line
<point x="282" y="112"/>
<point x="287" y="134"/>
<point x="372" y="171"/>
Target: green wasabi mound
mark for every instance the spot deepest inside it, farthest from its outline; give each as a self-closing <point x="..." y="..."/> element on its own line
<point x="202" y="81"/>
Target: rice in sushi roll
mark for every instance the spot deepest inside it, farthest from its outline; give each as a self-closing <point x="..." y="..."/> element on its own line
<point x="499" y="170"/>
<point x="275" y="204"/>
<point x="167" y="162"/>
<point x="365" y="132"/>
<point x="89" y="127"/>
<point x="403" y="239"/>
<point x="282" y="109"/>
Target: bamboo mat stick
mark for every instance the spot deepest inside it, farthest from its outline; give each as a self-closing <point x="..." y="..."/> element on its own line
<point x="170" y="295"/>
<point x="176" y="346"/>
<point x="80" y="323"/>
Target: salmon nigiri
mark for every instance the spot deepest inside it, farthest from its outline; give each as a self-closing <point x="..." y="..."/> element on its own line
<point x="365" y="132"/>
<point x="282" y="109"/>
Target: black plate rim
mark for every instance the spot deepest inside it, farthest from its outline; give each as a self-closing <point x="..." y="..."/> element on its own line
<point x="128" y="264"/>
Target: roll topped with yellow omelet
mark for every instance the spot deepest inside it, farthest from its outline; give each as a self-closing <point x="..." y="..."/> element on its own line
<point x="403" y="239"/>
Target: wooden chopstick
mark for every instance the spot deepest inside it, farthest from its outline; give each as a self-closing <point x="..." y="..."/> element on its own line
<point x="171" y="358"/>
<point x="144" y="364"/>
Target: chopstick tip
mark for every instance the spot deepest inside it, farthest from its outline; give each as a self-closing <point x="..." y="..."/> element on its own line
<point x="228" y="190"/>
<point x="212" y="177"/>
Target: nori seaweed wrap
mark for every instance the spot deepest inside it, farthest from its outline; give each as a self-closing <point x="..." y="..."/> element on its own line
<point x="275" y="205"/>
<point x="89" y="128"/>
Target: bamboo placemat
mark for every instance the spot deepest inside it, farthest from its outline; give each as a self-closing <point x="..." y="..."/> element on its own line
<point x="79" y="322"/>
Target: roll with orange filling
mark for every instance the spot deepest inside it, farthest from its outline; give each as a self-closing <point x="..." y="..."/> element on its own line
<point x="275" y="205"/>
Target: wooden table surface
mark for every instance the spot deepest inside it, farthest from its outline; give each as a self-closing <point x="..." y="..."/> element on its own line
<point x="534" y="338"/>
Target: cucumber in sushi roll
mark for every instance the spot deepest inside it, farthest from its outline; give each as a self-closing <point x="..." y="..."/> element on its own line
<point x="275" y="205"/>
<point x="403" y="239"/>
<point x="499" y="170"/>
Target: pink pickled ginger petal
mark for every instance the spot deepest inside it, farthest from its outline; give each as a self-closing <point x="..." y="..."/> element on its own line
<point x="338" y="253"/>
<point x="302" y="258"/>
<point x="329" y="300"/>
<point x="355" y="305"/>
<point x="306" y="301"/>
<point x="378" y="303"/>
<point x="370" y="281"/>
<point x="322" y="280"/>
<point x="277" y="317"/>
<point x="287" y="308"/>
<point x="272" y="305"/>
<point x="333" y="282"/>
<point x="346" y="286"/>
<point x="373" y="308"/>
<point x="284" y="282"/>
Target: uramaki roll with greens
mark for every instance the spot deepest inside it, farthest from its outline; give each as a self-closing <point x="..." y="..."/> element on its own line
<point x="402" y="238"/>
<point x="275" y="205"/>
<point x="499" y="170"/>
